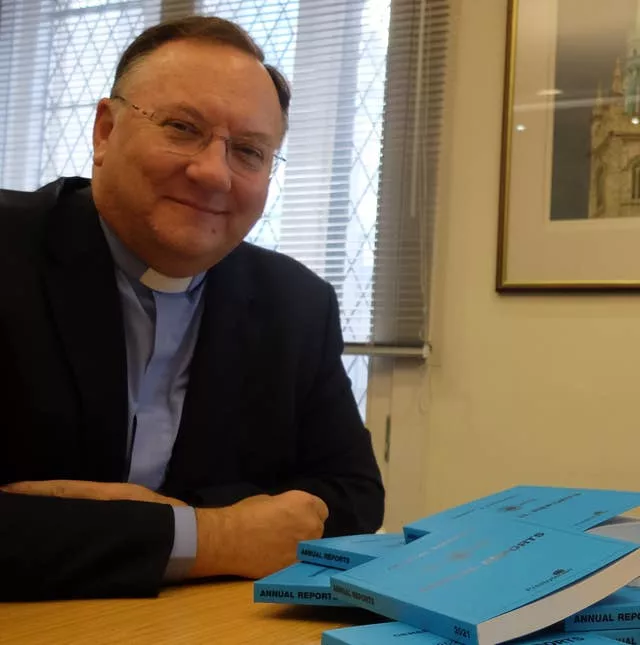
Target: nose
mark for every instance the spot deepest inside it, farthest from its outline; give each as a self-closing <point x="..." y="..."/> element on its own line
<point x="210" y="168"/>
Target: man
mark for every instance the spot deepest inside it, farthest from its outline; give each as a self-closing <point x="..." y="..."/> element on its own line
<point x="175" y="404"/>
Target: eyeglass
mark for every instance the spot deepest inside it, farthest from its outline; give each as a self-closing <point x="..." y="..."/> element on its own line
<point x="189" y="137"/>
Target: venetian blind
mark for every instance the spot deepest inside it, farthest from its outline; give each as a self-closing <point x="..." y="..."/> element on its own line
<point x="356" y="198"/>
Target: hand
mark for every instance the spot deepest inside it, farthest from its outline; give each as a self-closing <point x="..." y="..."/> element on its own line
<point x="258" y="535"/>
<point x="89" y="490"/>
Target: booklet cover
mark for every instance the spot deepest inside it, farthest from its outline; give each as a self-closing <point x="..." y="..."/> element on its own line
<point x="299" y="584"/>
<point x="622" y="528"/>
<point x="350" y="550"/>
<point x="392" y="633"/>
<point x="402" y="634"/>
<point x="630" y="636"/>
<point x="564" y="508"/>
<point x="620" y="610"/>
<point x="491" y="579"/>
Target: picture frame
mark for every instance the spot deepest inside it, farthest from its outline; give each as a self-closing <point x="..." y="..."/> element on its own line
<point x="569" y="214"/>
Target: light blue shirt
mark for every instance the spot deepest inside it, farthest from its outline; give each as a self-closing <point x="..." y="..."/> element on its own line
<point x="161" y="329"/>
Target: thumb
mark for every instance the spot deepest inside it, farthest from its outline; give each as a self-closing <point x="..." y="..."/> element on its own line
<point x="321" y="508"/>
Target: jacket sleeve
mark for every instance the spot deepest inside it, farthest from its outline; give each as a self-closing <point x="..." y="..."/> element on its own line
<point x="335" y="454"/>
<point x="54" y="548"/>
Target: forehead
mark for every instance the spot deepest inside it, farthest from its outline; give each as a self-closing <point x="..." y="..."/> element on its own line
<point x="222" y="82"/>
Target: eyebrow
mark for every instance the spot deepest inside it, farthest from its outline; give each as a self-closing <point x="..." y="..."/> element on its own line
<point x="250" y="135"/>
<point x="257" y="136"/>
<point x="188" y="109"/>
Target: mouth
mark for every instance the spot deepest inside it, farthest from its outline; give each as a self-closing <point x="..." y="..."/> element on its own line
<point x="202" y="208"/>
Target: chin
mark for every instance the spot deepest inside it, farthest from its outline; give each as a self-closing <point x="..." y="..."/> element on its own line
<point x="194" y="253"/>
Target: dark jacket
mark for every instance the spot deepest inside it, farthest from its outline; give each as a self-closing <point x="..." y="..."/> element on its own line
<point x="268" y="407"/>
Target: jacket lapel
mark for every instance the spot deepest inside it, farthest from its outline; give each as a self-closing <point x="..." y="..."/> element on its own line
<point x="83" y="296"/>
<point x="216" y="400"/>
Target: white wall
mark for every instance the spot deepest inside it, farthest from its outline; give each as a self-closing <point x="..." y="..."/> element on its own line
<point x="521" y="389"/>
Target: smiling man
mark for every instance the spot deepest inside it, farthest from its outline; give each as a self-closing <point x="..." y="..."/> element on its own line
<point x="176" y="403"/>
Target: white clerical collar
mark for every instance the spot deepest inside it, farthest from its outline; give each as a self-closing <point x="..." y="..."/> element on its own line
<point x="135" y="269"/>
<point x="163" y="283"/>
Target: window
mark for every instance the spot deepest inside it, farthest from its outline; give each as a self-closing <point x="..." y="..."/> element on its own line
<point x="58" y="57"/>
<point x="329" y="186"/>
<point x="333" y="205"/>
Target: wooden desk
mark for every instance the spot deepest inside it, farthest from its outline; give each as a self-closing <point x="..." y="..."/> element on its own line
<point x="220" y="613"/>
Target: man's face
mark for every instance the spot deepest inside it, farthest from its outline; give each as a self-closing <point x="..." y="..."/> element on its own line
<point x="182" y="213"/>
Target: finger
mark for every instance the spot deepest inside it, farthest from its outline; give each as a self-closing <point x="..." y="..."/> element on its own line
<point x="66" y="488"/>
<point x="307" y="500"/>
<point x="24" y="488"/>
<point x="53" y="488"/>
<point x="323" y="510"/>
<point x="320" y="507"/>
<point x="12" y="488"/>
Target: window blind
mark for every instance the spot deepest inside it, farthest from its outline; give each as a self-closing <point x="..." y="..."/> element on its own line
<point x="356" y="199"/>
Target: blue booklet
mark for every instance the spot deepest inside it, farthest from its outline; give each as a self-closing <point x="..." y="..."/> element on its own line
<point x="402" y="634"/>
<point x="383" y="634"/>
<point x="621" y="528"/>
<point x="577" y="508"/>
<point x="350" y="550"/>
<point x="299" y="584"/>
<point x="620" y="610"/>
<point x="491" y="579"/>
<point x="630" y="636"/>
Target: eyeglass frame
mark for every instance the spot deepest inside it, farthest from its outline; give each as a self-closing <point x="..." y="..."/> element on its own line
<point x="276" y="159"/>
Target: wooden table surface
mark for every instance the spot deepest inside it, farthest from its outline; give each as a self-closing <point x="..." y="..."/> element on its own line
<point x="218" y="613"/>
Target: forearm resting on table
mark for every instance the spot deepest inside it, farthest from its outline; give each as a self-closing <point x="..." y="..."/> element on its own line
<point x="256" y="536"/>
<point x="251" y="538"/>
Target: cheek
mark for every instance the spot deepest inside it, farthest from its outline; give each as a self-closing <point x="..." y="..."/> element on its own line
<point x="145" y="162"/>
<point x="252" y="200"/>
<point x="160" y="171"/>
<point x="129" y="175"/>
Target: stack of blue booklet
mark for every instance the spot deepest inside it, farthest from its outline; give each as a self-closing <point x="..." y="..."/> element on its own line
<point x="298" y="584"/>
<point x="490" y="579"/>
<point x="308" y="581"/>
<point x="504" y="567"/>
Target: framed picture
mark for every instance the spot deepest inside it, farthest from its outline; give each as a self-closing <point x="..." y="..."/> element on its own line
<point x="570" y="182"/>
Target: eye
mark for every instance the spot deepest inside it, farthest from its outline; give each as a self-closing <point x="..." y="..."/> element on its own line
<point x="181" y="128"/>
<point x="249" y="151"/>
<point x="249" y="155"/>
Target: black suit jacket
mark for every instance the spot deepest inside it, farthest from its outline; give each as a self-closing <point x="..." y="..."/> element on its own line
<point x="268" y="407"/>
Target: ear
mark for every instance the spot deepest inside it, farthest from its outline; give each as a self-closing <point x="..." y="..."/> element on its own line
<point x="102" y="128"/>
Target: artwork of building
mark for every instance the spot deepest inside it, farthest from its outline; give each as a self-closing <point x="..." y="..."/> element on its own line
<point x="615" y="140"/>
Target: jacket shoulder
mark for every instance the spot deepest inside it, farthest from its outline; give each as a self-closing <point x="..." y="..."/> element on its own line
<point x="23" y="214"/>
<point x="274" y="267"/>
<point x="18" y="201"/>
<point x="22" y="220"/>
